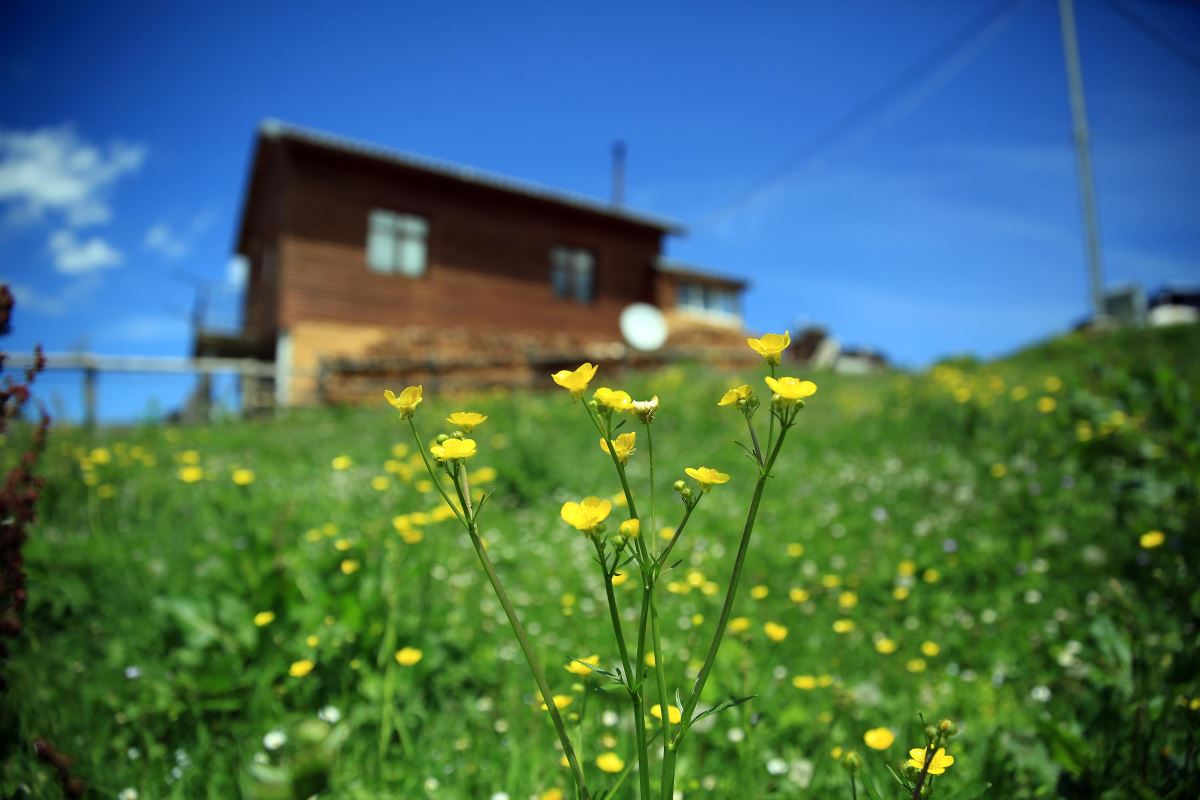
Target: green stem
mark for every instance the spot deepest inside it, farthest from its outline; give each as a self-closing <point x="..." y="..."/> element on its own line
<point x="539" y="676"/>
<point x="664" y="705"/>
<point x="687" y="513"/>
<point x="689" y="706"/>
<point x="653" y="517"/>
<point x="635" y="695"/>
<point x="432" y="475"/>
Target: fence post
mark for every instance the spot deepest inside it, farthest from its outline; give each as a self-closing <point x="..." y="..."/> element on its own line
<point x="90" y="375"/>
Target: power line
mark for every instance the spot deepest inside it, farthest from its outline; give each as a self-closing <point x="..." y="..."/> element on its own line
<point x="1140" y="22"/>
<point x="924" y="77"/>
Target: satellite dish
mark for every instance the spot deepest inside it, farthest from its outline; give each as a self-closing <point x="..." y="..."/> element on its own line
<point x="643" y="326"/>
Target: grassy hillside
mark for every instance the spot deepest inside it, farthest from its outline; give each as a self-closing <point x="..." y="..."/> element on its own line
<point x="967" y="543"/>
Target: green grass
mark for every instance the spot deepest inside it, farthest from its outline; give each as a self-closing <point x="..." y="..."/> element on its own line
<point x="1065" y="652"/>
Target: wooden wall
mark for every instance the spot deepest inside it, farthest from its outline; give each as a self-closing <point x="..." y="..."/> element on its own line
<point x="488" y="253"/>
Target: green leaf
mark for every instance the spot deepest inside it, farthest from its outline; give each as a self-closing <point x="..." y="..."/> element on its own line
<point x="721" y="707"/>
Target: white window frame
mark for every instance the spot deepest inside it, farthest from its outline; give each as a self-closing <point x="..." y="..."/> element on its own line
<point x="704" y="300"/>
<point x="397" y="243"/>
<point x="573" y="274"/>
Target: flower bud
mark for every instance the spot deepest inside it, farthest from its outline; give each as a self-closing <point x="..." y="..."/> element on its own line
<point x="852" y="762"/>
<point x="441" y="438"/>
<point x="931" y="733"/>
<point x="948" y="727"/>
<point x="679" y="486"/>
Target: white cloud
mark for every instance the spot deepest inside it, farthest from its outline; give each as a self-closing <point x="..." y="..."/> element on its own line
<point x="173" y="243"/>
<point x="73" y="255"/>
<point x="160" y="239"/>
<point x="55" y="170"/>
<point x="57" y="303"/>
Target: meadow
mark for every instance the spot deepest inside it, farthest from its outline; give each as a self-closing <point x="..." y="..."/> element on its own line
<point x="283" y="607"/>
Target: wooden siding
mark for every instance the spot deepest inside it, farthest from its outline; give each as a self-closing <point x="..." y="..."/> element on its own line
<point x="488" y="258"/>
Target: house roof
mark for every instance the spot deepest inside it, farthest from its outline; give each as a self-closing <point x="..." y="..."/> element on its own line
<point x="691" y="271"/>
<point x="277" y="130"/>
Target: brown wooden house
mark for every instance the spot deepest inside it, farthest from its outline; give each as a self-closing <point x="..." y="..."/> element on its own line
<point x="365" y="265"/>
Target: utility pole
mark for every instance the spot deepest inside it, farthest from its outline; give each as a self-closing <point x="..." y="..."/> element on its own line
<point x="1083" y="158"/>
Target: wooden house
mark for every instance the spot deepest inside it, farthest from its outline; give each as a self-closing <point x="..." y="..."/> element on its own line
<point x="366" y="265"/>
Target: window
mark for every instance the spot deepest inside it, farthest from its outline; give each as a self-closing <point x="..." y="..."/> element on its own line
<point x="572" y="274"/>
<point x="397" y="243"/>
<point x="707" y="299"/>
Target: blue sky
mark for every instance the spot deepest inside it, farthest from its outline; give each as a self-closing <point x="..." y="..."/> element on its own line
<point x="945" y="221"/>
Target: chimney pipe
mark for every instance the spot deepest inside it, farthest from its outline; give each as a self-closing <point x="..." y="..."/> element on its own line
<point x="618" y="173"/>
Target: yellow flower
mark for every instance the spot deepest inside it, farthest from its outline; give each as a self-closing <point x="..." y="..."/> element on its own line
<point x="1046" y="404"/>
<point x="805" y="682"/>
<point x="847" y="600"/>
<point x="186" y="457"/>
<point x="614" y="399"/>
<point x="915" y="665"/>
<point x="885" y="646"/>
<point x="586" y="514"/>
<point x="673" y="712"/>
<point x="453" y="449"/>
<point x="350" y="566"/>
<point x="191" y="474"/>
<point x="623" y="444"/>
<point x="901" y="592"/>
<point x="301" y="668"/>
<point x="312" y="641"/>
<point x="582" y="670"/>
<point x="759" y="592"/>
<point x="739" y="624"/>
<point x="630" y="528"/>
<point x="620" y="578"/>
<point x="775" y="632"/>
<point x="650" y="659"/>
<point x="407" y="656"/>
<point x="407" y="402"/>
<point x="907" y="567"/>
<point x="264" y="618"/>
<point x="843" y="625"/>
<point x="575" y="382"/>
<point x="735" y="395"/>
<point x="1151" y="539"/>
<point x="380" y="483"/>
<point x="1053" y="384"/>
<point x="610" y="762"/>
<point x="795" y="549"/>
<point x="879" y="738"/>
<point x="791" y="390"/>
<point x="243" y="477"/>
<point x="771" y="345"/>
<point x="561" y="701"/>
<point x="552" y="794"/>
<point x="707" y="477"/>
<point x="341" y="462"/>
<point x="930" y="649"/>
<point x="999" y="470"/>
<point x="798" y="595"/>
<point x="916" y="760"/>
<point x="466" y="421"/>
<point x="931" y="575"/>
